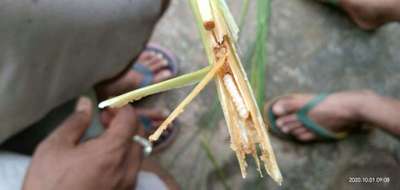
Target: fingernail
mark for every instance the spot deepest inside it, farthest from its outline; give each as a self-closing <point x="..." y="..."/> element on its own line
<point x="83" y="105"/>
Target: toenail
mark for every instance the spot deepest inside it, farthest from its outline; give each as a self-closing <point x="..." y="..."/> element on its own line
<point x="278" y="109"/>
<point x="166" y="73"/>
<point x="159" y="55"/>
<point x="285" y="129"/>
<point x="164" y="62"/>
<point x="279" y="123"/>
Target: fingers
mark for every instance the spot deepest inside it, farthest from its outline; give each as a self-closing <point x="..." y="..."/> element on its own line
<point x="73" y="128"/>
<point x="106" y="116"/>
<point x="123" y="126"/>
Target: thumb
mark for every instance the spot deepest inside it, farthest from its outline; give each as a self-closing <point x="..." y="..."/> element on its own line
<point x="73" y="128"/>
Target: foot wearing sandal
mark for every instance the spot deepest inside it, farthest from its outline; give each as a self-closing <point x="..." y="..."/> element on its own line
<point x="369" y="14"/>
<point x="307" y="117"/>
<point x="154" y="64"/>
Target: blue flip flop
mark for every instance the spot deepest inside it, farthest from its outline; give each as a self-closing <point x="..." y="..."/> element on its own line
<point x="302" y="115"/>
<point x="148" y="75"/>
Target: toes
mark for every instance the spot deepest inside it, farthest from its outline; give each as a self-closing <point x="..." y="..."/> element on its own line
<point x="282" y="121"/>
<point x="285" y="106"/>
<point x="306" y="136"/>
<point x="146" y="58"/>
<point x="158" y="65"/>
<point x="290" y="127"/>
<point x="162" y="75"/>
<point x="150" y="59"/>
<point x="154" y="61"/>
<point x="154" y="58"/>
<point x="300" y="130"/>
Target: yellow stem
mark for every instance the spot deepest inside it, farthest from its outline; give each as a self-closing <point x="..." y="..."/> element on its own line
<point x="179" y="109"/>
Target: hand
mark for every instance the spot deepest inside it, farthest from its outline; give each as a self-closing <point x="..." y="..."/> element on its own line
<point x="110" y="161"/>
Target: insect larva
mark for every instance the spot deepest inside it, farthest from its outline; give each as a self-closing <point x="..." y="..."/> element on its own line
<point x="236" y="97"/>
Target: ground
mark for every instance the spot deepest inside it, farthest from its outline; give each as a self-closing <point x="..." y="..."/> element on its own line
<point x="313" y="48"/>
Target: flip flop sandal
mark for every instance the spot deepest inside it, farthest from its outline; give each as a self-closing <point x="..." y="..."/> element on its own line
<point x="148" y="76"/>
<point x="166" y="138"/>
<point x="302" y="115"/>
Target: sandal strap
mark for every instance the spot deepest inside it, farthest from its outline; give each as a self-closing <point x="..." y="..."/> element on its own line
<point x="322" y="132"/>
<point x="146" y="72"/>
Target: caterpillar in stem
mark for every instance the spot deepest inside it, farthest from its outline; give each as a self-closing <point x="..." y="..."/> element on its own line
<point x="236" y="97"/>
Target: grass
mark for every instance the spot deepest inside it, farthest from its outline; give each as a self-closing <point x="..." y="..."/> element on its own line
<point x="259" y="54"/>
<point x="211" y="156"/>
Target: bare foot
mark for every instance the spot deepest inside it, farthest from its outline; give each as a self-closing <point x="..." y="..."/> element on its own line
<point x="336" y="113"/>
<point x="370" y="14"/>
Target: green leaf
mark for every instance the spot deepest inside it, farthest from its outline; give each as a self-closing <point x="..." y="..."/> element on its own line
<point x="259" y="54"/>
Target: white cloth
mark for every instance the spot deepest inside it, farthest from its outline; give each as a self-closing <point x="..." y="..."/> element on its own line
<point x="53" y="50"/>
<point x="14" y="166"/>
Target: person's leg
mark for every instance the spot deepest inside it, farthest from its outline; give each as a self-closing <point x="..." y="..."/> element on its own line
<point x="337" y="112"/>
<point x="370" y="14"/>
